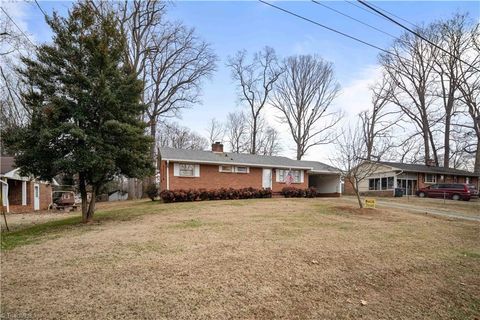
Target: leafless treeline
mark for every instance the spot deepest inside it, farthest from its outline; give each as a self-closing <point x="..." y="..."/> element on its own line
<point x="426" y="106"/>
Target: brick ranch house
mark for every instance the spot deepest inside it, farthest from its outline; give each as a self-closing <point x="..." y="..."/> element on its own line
<point x="186" y="169"/>
<point x="410" y="178"/>
<point x="22" y="194"/>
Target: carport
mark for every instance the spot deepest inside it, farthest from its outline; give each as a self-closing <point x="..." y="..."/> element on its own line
<point x="324" y="178"/>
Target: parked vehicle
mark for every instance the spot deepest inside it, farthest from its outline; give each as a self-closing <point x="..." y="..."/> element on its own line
<point x="63" y="200"/>
<point x="454" y="191"/>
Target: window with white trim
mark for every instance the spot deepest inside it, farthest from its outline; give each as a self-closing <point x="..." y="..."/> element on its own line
<point x="241" y="169"/>
<point x="295" y="174"/>
<point x="226" y="169"/>
<point x="381" y="183"/>
<point x="233" y="169"/>
<point x="186" y="170"/>
<point x="430" y="178"/>
<point x="467" y="180"/>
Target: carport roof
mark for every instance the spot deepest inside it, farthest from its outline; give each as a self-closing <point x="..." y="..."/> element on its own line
<point x="241" y="159"/>
<point x="427" y="169"/>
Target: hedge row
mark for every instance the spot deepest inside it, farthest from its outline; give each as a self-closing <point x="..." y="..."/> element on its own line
<point x="292" y="192"/>
<point x="216" y="194"/>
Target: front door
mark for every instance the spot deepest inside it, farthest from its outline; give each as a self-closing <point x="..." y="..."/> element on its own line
<point x="267" y="178"/>
<point x="36" y="197"/>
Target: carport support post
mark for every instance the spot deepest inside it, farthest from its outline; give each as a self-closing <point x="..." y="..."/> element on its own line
<point x="1" y="203"/>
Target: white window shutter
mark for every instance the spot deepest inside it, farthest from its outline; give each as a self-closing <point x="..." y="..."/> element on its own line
<point x="176" y="170"/>
<point x="301" y="176"/>
<point x="219" y="168"/>
<point x="277" y="175"/>
<point x="197" y="170"/>
<point x="248" y="169"/>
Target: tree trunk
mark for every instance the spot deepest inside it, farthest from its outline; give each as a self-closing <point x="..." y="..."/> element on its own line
<point x="476" y="168"/>
<point x="254" y="137"/>
<point x="91" y="206"/>
<point x="426" y="146"/>
<point x="360" y="204"/>
<point x="446" y="141"/>
<point x="83" y="194"/>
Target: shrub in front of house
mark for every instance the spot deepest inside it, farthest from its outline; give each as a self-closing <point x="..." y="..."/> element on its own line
<point x="292" y="192"/>
<point x="152" y="191"/>
<point x="181" y="195"/>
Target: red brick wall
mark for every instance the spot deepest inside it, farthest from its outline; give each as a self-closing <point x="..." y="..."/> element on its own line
<point x="211" y="178"/>
<point x="45" y="198"/>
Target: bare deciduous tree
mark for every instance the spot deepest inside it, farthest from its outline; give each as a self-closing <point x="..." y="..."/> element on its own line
<point x="171" y="134"/>
<point x="350" y="157"/>
<point x="215" y="131"/>
<point x="469" y="87"/>
<point x="255" y="81"/>
<point x="236" y="129"/>
<point x="378" y="122"/>
<point x="453" y="36"/>
<point x="13" y="45"/>
<point x="268" y="140"/>
<point x="303" y="95"/>
<point x="169" y="57"/>
<point x="411" y="70"/>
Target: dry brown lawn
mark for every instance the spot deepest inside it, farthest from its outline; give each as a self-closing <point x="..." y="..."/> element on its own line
<point x="246" y="259"/>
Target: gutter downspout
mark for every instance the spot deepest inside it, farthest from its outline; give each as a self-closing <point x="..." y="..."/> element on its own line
<point x="168" y="175"/>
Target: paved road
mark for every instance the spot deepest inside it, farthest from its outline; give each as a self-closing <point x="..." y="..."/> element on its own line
<point x="416" y="208"/>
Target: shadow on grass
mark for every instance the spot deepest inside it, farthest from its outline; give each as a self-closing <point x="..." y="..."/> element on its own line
<point x="54" y="229"/>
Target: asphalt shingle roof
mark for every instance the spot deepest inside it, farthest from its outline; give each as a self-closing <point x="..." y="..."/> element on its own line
<point x="242" y="159"/>
<point x="6" y="164"/>
<point x="427" y="169"/>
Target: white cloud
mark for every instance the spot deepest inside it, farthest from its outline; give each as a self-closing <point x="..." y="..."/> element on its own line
<point x="355" y="95"/>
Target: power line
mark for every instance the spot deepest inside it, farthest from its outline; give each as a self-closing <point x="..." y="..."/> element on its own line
<point x="38" y="5"/>
<point x="406" y="61"/>
<point x="353" y="18"/>
<point x="392" y="14"/>
<point x="19" y="29"/>
<point x="417" y="34"/>
<point x="325" y="27"/>
<point x="364" y="9"/>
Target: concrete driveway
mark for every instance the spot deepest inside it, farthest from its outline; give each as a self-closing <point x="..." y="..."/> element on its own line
<point x="425" y="206"/>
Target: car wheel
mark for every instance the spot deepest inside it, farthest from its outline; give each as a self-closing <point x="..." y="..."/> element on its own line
<point x="455" y="197"/>
<point x="422" y="194"/>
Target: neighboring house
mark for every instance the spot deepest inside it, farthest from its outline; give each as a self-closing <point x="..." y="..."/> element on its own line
<point x="409" y="177"/>
<point x="118" y="195"/>
<point x="22" y="194"/>
<point x="185" y="169"/>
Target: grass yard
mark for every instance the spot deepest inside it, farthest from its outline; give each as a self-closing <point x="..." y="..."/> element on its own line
<point x="244" y="259"/>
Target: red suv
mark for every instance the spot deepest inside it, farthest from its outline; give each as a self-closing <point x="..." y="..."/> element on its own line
<point x="454" y="191"/>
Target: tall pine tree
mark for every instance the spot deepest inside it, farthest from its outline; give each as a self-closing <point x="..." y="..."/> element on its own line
<point x="85" y="107"/>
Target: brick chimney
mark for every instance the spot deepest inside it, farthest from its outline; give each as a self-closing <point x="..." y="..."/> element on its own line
<point x="431" y="163"/>
<point x="217" y="147"/>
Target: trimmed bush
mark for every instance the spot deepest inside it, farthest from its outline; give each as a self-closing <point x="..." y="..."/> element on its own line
<point x="214" y="194"/>
<point x="292" y="192"/>
<point x="152" y="191"/>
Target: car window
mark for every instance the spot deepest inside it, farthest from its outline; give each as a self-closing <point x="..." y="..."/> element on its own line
<point x="435" y="186"/>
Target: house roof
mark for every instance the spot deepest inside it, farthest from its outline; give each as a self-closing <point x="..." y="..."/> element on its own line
<point x="252" y="160"/>
<point x="427" y="169"/>
<point x="6" y="164"/>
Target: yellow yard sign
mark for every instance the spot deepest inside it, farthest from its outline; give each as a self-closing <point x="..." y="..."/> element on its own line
<point x="370" y="203"/>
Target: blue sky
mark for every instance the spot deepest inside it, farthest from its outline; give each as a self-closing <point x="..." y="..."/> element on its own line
<point x="231" y="26"/>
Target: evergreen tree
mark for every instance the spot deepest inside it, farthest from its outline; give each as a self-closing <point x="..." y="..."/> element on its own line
<point x="85" y="106"/>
